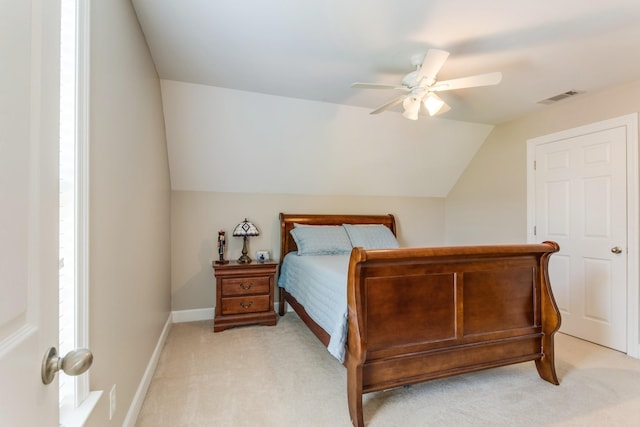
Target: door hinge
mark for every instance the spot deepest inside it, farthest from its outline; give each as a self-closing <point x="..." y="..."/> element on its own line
<point x="535" y="230"/>
<point x="534" y="165"/>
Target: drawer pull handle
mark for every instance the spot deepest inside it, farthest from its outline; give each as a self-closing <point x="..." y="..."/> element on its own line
<point x="247" y="286"/>
<point x="243" y="305"/>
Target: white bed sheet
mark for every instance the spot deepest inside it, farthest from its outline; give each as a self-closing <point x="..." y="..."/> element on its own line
<point x="319" y="284"/>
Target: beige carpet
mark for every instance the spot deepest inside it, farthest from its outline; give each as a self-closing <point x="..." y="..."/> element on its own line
<point x="282" y="376"/>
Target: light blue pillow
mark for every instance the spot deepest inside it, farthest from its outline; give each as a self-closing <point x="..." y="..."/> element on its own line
<point x="375" y="236"/>
<point x="321" y="239"/>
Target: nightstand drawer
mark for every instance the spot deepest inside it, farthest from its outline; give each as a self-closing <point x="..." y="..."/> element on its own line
<point x="248" y="304"/>
<point x="245" y="286"/>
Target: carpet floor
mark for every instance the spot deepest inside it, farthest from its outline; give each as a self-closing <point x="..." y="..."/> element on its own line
<point x="283" y="376"/>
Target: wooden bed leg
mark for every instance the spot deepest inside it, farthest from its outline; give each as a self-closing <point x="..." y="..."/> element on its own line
<point x="546" y="366"/>
<point x="282" y="306"/>
<point x="354" y="395"/>
<point x="551" y="321"/>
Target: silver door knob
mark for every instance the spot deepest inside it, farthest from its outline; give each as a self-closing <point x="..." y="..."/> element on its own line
<point x="76" y="362"/>
<point x="616" y="250"/>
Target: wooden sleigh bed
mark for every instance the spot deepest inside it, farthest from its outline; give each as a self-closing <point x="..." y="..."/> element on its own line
<point x="416" y="314"/>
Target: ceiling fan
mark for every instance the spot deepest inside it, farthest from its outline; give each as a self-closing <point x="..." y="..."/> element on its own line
<point x="420" y="86"/>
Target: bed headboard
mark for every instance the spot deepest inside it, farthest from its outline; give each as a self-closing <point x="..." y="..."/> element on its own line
<point x="287" y="244"/>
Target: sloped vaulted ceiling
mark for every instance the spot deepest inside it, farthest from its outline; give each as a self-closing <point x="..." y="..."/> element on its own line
<point x="274" y="78"/>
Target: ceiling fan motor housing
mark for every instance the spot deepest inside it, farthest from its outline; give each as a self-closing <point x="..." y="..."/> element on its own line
<point x="410" y="79"/>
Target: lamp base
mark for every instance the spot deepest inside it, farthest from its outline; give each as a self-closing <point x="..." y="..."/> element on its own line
<point x="244" y="259"/>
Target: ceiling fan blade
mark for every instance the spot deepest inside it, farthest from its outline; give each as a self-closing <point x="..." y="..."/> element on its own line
<point x="433" y="61"/>
<point x="377" y="86"/>
<point x="471" y="81"/>
<point x="389" y="105"/>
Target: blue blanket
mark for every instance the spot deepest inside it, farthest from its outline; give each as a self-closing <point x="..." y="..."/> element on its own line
<point x="319" y="284"/>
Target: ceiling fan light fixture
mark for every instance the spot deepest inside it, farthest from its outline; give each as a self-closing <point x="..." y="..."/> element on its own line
<point x="411" y="106"/>
<point x="433" y="104"/>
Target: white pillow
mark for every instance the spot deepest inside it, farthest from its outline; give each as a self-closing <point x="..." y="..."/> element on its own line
<point x="321" y="239"/>
<point x="374" y="236"/>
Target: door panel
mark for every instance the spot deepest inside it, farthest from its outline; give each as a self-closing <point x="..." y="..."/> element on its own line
<point x="580" y="189"/>
<point x="598" y="290"/>
<point x="597" y="212"/>
<point x="557" y="195"/>
<point x="560" y="274"/>
<point x="29" y="34"/>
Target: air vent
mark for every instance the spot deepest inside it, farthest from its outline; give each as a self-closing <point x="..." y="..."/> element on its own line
<point x="560" y="97"/>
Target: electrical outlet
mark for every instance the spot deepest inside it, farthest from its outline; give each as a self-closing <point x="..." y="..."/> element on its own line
<point x="112" y="402"/>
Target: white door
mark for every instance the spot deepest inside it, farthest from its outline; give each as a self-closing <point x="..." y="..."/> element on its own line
<point x="580" y="202"/>
<point x="29" y="110"/>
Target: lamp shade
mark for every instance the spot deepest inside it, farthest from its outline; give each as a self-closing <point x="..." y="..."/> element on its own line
<point x="245" y="228"/>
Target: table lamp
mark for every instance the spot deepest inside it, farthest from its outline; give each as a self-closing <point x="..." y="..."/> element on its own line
<point x="244" y="230"/>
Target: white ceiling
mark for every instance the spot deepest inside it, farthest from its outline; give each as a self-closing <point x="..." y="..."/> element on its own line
<point x="314" y="50"/>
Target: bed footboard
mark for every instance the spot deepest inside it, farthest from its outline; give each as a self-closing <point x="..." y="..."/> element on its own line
<point x="424" y="313"/>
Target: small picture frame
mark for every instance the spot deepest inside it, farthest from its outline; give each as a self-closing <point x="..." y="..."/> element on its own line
<point x="262" y="256"/>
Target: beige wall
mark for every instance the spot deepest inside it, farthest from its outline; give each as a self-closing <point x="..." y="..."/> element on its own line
<point x="196" y="218"/>
<point x="129" y="207"/>
<point x="488" y="203"/>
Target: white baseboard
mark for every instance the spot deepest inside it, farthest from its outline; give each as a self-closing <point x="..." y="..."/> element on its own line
<point x="141" y="392"/>
<point x="194" y="315"/>
<point x="634" y="351"/>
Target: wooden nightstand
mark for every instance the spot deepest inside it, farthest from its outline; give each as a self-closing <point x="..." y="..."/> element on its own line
<point x="244" y="294"/>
